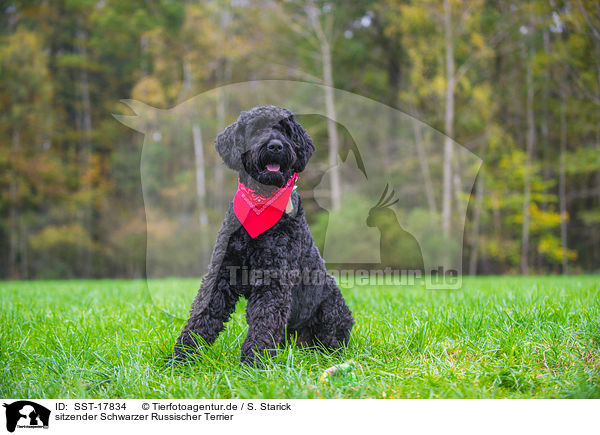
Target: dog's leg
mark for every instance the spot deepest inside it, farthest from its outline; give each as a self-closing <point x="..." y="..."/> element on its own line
<point x="207" y="318"/>
<point x="266" y="313"/>
<point x="333" y="319"/>
<point x="302" y="336"/>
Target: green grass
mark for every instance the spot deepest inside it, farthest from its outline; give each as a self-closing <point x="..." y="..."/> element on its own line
<point x="498" y="337"/>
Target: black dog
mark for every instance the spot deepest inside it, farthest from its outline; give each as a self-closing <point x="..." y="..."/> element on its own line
<point x="291" y="290"/>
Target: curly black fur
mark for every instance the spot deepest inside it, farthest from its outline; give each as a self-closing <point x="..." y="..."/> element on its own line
<point x="281" y="272"/>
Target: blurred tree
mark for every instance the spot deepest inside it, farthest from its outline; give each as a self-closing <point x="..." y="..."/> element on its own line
<point x="30" y="176"/>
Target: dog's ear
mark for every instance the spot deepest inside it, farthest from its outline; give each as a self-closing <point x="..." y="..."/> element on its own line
<point x="229" y="144"/>
<point x="301" y="141"/>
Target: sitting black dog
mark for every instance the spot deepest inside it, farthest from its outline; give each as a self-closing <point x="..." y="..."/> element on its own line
<point x="280" y="270"/>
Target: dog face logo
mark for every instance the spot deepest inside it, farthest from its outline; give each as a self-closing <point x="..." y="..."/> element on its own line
<point x="26" y="414"/>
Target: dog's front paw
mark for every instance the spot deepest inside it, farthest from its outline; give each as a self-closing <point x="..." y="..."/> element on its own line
<point x="252" y="359"/>
<point x="179" y="356"/>
<point x="172" y="359"/>
<point x="248" y="358"/>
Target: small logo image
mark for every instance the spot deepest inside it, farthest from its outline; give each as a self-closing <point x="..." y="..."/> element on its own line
<point x="24" y="414"/>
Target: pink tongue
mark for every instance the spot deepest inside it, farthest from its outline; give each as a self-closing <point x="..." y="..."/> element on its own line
<point x="273" y="167"/>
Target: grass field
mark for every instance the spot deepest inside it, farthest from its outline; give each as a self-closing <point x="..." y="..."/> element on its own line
<point x="498" y="337"/>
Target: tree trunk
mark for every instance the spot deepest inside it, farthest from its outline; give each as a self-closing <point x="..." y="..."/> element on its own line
<point x="186" y="82"/>
<point x="424" y="167"/>
<point x="562" y="187"/>
<point x="392" y="53"/>
<point x="13" y="212"/>
<point x="219" y="165"/>
<point x="449" y="123"/>
<point x="544" y="128"/>
<point x="334" y="173"/>
<point x="24" y="237"/>
<point x="530" y="142"/>
<point x="85" y="151"/>
<point x="545" y="152"/>
<point x="201" y="192"/>
<point x="475" y="228"/>
<point x="200" y="178"/>
<point x="223" y="76"/>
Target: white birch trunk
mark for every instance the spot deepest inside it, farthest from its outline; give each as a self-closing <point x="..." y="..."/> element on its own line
<point x="334" y="174"/>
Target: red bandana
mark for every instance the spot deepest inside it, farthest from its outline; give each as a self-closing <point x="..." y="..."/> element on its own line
<point x="257" y="213"/>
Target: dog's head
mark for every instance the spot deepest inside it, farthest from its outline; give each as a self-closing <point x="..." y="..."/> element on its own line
<point x="266" y="145"/>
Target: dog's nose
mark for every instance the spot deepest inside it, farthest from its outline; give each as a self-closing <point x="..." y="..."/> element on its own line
<point x="275" y="146"/>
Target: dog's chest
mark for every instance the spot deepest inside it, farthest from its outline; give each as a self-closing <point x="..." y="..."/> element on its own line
<point x="276" y="249"/>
